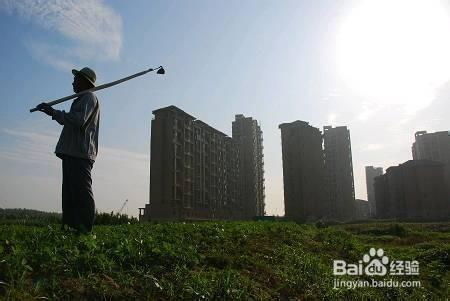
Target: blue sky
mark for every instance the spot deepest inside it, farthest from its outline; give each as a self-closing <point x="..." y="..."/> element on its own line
<point x="276" y="61"/>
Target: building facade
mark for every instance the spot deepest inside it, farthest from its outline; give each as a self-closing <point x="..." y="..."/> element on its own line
<point x="436" y="147"/>
<point x="432" y="146"/>
<point x="339" y="172"/>
<point x="194" y="170"/>
<point x="361" y="209"/>
<point x="371" y="174"/>
<point x="303" y="171"/>
<point x="247" y="135"/>
<point x="414" y="189"/>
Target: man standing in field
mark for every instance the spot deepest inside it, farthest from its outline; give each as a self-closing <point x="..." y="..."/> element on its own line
<point x="77" y="148"/>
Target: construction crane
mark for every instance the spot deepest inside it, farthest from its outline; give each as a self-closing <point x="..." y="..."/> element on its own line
<point x="123" y="205"/>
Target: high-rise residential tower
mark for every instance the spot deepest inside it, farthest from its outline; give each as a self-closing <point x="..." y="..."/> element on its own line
<point x="194" y="170"/>
<point x="247" y="135"/>
<point x="371" y="174"/>
<point x="303" y="171"/>
<point x="339" y="172"/>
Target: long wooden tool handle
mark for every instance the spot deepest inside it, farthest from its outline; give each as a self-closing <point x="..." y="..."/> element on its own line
<point x="104" y="86"/>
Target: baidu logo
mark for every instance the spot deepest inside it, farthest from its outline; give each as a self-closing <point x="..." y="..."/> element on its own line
<point x="372" y="264"/>
<point x="375" y="263"/>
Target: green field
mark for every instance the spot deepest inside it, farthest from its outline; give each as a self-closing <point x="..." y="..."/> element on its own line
<point x="214" y="260"/>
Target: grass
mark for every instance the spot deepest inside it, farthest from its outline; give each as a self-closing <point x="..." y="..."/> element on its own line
<point x="214" y="260"/>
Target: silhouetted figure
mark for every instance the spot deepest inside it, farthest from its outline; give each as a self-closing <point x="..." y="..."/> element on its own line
<point x="77" y="148"/>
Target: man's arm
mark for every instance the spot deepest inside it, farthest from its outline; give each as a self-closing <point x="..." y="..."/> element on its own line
<point x="79" y="115"/>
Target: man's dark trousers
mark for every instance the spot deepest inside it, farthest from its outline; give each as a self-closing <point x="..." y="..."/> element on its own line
<point x="78" y="204"/>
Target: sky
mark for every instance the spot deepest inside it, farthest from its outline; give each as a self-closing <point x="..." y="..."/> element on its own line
<point x="381" y="68"/>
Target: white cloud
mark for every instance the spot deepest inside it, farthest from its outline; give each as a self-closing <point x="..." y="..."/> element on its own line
<point x="44" y="52"/>
<point x="93" y="29"/>
<point x="368" y="110"/>
<point x="29" y="147"/>
<point x="39" y="147"/>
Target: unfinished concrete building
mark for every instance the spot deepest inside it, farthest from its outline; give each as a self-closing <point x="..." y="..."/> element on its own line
<point x="195" y="170"/>
<point x="247" y="135"/>
<point x="303" y="171"/>
<point x="361" y="209"/>
<point x="414" y="189"/>
<point x="371" y="174"/>
<point x="436" y="147"/>
<point x="339" y="172"/>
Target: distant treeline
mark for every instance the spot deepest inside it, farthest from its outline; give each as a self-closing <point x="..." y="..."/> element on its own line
<point x="41" y="218"/>
<point x="28" y="217"/>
